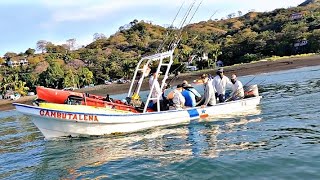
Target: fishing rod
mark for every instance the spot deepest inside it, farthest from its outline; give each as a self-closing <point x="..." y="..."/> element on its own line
<point x="215" y="12"/>
<point x="160" y="47"/>
<point x="168" y="35"/>
<point x="182" y="26"/>
<point x="172" y="45"/>
<point x="171" y="80"/>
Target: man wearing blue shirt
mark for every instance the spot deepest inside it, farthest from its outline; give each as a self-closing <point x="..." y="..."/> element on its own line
<point x="189" y="93"/>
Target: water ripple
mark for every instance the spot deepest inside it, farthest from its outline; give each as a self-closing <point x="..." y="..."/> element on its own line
<point x="279" y="140"/>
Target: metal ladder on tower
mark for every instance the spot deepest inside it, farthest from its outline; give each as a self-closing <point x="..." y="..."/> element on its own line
<point x="165" y="60"/>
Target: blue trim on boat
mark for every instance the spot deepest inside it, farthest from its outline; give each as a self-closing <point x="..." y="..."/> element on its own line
<point x="193" y="113"/>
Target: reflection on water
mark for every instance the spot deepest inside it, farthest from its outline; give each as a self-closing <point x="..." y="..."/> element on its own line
<point x="164" y="145"/>
<point x="279" y="140"/>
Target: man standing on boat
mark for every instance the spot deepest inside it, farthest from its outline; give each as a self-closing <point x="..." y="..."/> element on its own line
<point x="209" y="97"/>
<point x="156" y="92"/>
<point x="220" y="82"/>
<point x="237" y="88"/>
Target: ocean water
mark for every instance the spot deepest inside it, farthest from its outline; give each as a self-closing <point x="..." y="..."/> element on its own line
<point x="279" y="140"/>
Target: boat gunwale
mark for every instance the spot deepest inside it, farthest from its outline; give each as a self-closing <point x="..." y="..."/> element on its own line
<point x="134" y="114"/>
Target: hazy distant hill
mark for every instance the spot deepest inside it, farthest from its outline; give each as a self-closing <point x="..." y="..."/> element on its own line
<point x="307" y="2"/>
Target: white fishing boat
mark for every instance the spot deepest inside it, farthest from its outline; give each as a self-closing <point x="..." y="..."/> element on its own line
<point x="54" y="122"/>
<point x="58" y="123"/>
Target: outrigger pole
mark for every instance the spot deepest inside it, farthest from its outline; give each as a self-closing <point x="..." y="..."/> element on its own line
<point x="168" y="35"/>
<point x="145" y="67"/>
<point x="165" y="60"/>
<point x="181" y="29"/>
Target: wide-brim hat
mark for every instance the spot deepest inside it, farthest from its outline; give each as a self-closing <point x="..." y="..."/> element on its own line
<point x="186" y="86"/>
<point x="180" y="86"/>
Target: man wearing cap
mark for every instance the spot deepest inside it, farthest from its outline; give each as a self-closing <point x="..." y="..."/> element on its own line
<point x="237" y="88"/>
<point x="220" y="82"/>
<point x="156" y="92"/>
<point x="209" y="97"/>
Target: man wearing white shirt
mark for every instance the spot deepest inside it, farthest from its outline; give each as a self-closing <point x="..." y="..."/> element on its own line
<point x="237" y="88"/>
<point x="156" y="92"/>
<point x="178" y="99"/>
<point x="209" y="98"/>
<point x="220" y="82"/>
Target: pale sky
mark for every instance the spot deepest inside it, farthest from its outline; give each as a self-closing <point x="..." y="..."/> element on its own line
<point x="24" y="22"/>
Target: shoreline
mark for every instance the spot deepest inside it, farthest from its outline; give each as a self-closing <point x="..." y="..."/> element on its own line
<point x="262" y="66"/>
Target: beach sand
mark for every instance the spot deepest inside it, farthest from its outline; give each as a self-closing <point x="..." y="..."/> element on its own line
<point x="241" y="70"/>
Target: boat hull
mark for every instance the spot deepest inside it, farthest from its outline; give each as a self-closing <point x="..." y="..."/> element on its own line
<point x="81" y="108"/>
<point x="59" y="123"/>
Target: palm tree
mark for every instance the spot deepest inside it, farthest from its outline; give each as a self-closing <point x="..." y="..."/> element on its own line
<point x="216" y="52"/>
<point x="20" y="88"/>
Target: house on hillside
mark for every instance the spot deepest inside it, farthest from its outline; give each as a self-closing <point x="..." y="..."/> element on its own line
<point x="300" y="43"/>
<point x="296" y="16"/>
<point x="219" y="63"/>
<point x="204" y="57"/>
<point x="14" y="63"/>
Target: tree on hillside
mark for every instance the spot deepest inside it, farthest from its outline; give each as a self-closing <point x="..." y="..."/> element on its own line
<point x="215" y="51"/>
<point x="85" y="77"/>
<point x="30" y="52"/>
<point x="128" y="67"/>
<point x="118" y="40"/>
<point x="2" y="60"/>
<point x="41" y="45"/>
<point x="30" y="79"/>
<point x="71" y="43"/>
<point x="71" y="79"/>
<point x="52" y="48"/>
<point x="52" y="77"/>
<point x="98" y="36"/>
<point x="10" y="55"/>
<point x="232" y="15"/>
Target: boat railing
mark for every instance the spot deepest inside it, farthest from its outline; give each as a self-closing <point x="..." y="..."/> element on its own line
<point x="165" y="59"/>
